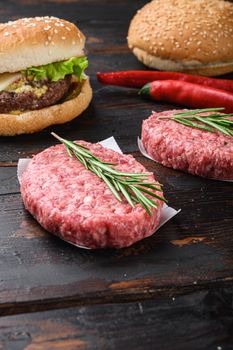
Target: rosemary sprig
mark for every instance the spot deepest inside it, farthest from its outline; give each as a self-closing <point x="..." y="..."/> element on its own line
<point x="211" y="122"/>
<point x="131" y="186"/>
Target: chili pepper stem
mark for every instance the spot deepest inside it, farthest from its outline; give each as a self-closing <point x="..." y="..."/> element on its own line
<point x="188" y="94"/>
<point x="145" y="90"/>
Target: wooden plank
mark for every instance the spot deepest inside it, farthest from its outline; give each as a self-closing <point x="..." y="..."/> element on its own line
<point x="114" y="111"/>
<point x="122" y="122"/>
<point x="201" y="320"/>
<point x="193" y="250"/>
<point x="107" y="50"/>
<point x="39" y="271"/>
<point x="8" y="180"/>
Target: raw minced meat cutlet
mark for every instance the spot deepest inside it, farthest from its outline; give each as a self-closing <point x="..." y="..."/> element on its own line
<point x="73" y="203"/>
<point x="196" y="151"/>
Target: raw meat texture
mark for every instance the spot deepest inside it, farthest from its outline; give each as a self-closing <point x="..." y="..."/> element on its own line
<point x="196" y="151"/>
<point x="76" y="205"/>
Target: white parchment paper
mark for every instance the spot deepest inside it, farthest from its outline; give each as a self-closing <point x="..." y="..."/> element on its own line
<point x="110" y="143"/>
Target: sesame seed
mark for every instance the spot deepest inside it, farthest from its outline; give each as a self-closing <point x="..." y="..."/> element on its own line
<point x="67" y="28"/>
<point x="207" y="21"/>
<point x="6" y="34"/>
<point x="63" y="38"/>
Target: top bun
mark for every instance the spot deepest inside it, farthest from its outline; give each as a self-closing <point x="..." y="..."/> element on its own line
<point x="184" y="35"/>
<point x="38" y="41"/>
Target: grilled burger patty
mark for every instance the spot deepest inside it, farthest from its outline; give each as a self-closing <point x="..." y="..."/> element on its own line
<point x="34" y="95"/>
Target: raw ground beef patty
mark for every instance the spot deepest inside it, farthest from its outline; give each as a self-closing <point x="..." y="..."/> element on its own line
<point x="196" y="151"/>
<point x="74" y="204"/>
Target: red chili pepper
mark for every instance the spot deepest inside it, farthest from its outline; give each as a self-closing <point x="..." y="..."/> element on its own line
<point x="188" y="94"/>
<point x="138" y="78"/>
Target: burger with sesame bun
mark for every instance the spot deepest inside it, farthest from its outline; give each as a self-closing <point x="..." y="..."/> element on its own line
<point x="193" y="36"/>
<point x="42" y="78"/>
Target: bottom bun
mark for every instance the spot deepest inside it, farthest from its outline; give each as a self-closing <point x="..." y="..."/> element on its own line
<point x="32" y="121"/>
<point x="193" y="67"/>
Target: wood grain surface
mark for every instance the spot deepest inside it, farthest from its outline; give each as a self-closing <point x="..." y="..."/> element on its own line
<point x="184" y="271"/>
<point x="184" y="322"/>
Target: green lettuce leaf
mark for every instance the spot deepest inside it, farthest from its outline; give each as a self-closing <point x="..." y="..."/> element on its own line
<point x="58" y="70"/>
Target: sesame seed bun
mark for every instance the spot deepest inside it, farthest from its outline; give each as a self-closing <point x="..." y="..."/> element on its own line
<point x="184" y="35"/>
<point x="38" y="41"/>
<point x="32" y="121"/>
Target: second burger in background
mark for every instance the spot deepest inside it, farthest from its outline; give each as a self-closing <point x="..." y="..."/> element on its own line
<point x="193" y="36"/>
<point x="42" y="79"/>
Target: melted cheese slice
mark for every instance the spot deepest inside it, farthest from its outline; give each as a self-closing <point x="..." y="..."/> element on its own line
<point x="7" y="79"/>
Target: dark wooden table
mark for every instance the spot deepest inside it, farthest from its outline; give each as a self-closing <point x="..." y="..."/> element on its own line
<point x="173" y="290"/>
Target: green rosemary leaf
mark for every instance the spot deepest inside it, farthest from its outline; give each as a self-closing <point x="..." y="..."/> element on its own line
<point x="214" y="125"/>
<point x="143" y="198"/>
<point x="224" y="121"/>
<point x="131" y="186"/>
<point x="198" y="111"/>
<point x="95" y="170"/>
<point x="69" y="151"/>
<point x="126" y="194"/>
<point x="212" y="122"/>
<point x="151" y="193"/>
<point x="116" y="184"/>
<point x="111" y="187"/>
<point x="144" y="184"/>
<point x="145" y="207"/>
<point x="192" y="124"/>
<point x="81" y="159"/>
